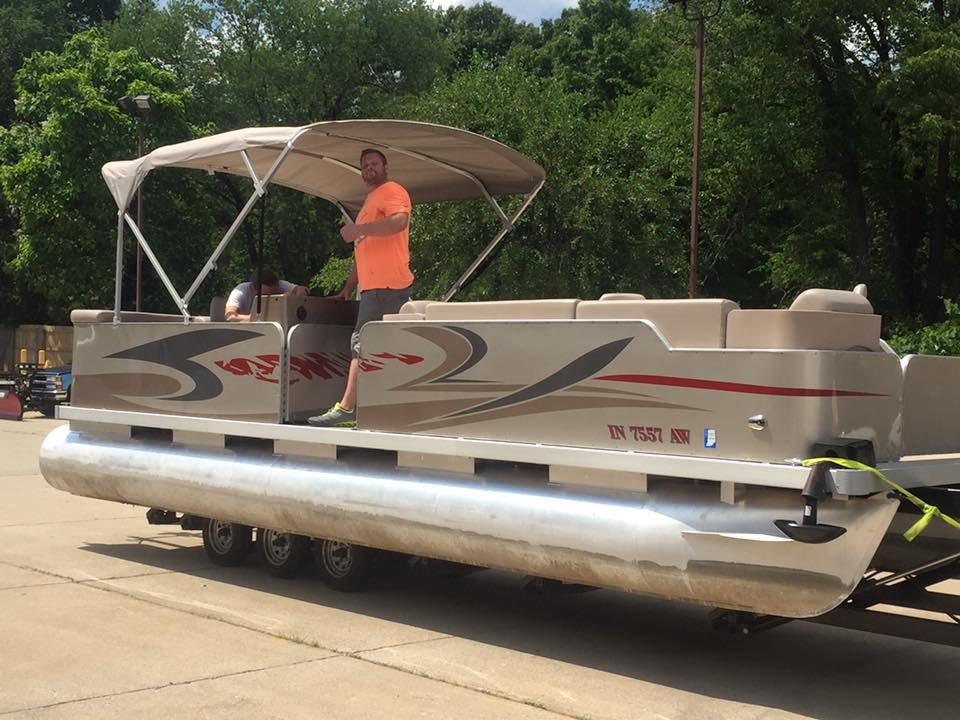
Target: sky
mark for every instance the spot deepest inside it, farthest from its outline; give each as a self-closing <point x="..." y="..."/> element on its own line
<point x="532" y="11"/>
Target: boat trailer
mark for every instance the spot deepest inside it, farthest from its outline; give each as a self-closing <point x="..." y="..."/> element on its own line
<point x="922" y="603"/>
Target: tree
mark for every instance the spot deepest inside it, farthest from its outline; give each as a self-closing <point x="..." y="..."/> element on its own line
<point x="587" y="232"/>
<point x="38" y="26"/>
<point x="922" y="94"/>
<point x="484" y="30"/>
<point x="68" y="125"/>
<point x="289" y="62"/>
<point x="588" y="47"/>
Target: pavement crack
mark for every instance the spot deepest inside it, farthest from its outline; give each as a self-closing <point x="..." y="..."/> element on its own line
<point x="154" y="688"/>
<point x="463" y="686"/>
<point x="357" y="653"/>
<point x="39" y="571"/>
<point x="206" y="613"/>
<point x="87" y="581"/>
<point x="70" y="522"/>
<point x="212" y="614"/>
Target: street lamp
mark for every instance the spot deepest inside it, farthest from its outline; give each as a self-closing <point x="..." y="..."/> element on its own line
<point x="698" y="11"/>
<point x="139" y="107"/>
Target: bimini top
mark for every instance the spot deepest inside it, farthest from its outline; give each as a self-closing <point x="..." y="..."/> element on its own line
<point x="434" y="163"/>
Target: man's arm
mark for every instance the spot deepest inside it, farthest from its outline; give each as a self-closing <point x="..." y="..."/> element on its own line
<point x="288" y="288"/>
<point x="232" y="314"/>
<point x="391" y="224"/>
<point x="350" y="285"/>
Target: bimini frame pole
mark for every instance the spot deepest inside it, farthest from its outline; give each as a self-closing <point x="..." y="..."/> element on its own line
<point x="148" y="251"/>
<point x="259" y="189"/>
<point x="118" y="278"/>
<point x="508" y="224"/>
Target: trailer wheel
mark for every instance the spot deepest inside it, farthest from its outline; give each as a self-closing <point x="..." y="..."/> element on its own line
<point x="226" y="543"/>
<point x="342" y="566"/>
<point x="282" y="553"/>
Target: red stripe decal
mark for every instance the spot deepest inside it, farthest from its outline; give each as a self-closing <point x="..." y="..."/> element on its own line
<point x="734" y="387"/>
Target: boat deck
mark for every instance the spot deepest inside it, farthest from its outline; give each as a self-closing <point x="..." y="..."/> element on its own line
<point x="617" y="469"/>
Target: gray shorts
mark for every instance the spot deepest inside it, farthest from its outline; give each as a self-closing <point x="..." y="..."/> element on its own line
<point x="374" y="304"/>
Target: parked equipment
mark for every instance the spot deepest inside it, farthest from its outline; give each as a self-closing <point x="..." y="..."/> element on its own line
<point x="34" y="387"/>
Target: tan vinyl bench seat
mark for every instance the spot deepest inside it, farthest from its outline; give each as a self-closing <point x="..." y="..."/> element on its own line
<point x="803" y="330"/>
<point x="410" y="310"/>
<point x="695" y="323"/>
<point x="619" y="297"/>
<point x="79" y="316"/>
<point x="557" y="309"/>
<point x="819" y="319"/>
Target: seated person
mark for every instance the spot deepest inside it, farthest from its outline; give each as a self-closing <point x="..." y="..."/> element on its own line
<point x="240" y="303"/>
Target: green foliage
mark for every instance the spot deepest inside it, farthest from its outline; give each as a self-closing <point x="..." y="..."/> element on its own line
<point x="289" y="62"/>
<point x="942" y="338"/>
<point x="544" y="255"/>
<point x="829" y="142"/>
<point x="68" y="126"/>
<point x="589" y="48"/>
<point x="333" y="276"/>
<point x="28" y="26"/>
<point x="484" y="30"/>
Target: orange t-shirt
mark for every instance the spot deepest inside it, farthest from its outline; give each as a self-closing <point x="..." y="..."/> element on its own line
<point x="383" y="261"/>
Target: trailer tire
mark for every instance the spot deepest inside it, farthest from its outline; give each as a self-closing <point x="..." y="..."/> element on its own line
<point x="342" y="566"/>
<point x="283" y="554"/>
<point x="226" y="544"/>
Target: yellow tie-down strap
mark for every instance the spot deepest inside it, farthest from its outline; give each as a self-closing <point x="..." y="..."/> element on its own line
<point x="929" y="511"/>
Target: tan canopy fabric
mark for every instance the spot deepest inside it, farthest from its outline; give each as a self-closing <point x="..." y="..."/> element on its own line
<point x="434" y="163"/>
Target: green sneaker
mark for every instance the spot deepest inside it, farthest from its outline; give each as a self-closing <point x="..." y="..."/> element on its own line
<point x="337" y="416"/>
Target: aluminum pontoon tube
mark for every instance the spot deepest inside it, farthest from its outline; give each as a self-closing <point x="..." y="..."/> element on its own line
<point x="682" y="543"/>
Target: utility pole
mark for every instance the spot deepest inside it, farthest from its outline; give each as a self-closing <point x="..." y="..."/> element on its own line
<point x="698" y="12"/>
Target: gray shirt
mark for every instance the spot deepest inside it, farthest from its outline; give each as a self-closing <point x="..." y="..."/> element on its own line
<point x="244" y="294"/>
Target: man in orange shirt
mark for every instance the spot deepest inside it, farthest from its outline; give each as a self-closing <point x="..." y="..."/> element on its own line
<point x="381" y="266"/>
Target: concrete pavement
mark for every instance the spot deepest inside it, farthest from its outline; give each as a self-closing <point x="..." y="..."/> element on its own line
<point x="102" y="615"/>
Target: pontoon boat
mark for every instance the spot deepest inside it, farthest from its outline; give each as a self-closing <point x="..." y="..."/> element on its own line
<point x="652" y="446"/>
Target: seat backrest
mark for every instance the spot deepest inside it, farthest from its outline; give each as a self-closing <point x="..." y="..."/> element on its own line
<point x="823" y="300"/>
<point x="695" y="323"/>
<point x="414" y="306"/>
<point x="622" y="296"/>
<point x="803" y="330"/>
<point x="105" y="316"/>
<point x="409" y="311"/>
<point x="218" y="308"/>
<point x="557" y="309"/>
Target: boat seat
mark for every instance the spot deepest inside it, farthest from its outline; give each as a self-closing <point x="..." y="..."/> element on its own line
<point x="410" y="310"/>
<point x="803" y="330"/>
<point x="819" y="319"/>
<point x="80" y="316"/>
<point x="218" y="308"/>
<point x="848" y="301"/>
<point x="622" y="296"/>
<point x="556" y="309"/>
<point x="695" y="323"/>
